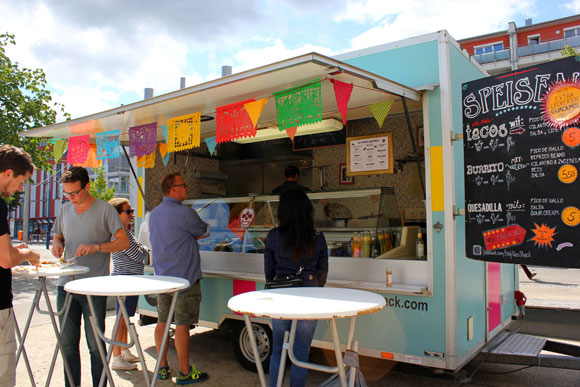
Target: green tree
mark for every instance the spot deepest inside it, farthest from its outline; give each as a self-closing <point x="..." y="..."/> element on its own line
<point x="25" y="103"/>
<point x="99" y="186"/>
<point x="568" y="51"/>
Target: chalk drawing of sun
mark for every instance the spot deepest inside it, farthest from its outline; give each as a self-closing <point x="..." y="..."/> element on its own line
<point x="544" y="234"/>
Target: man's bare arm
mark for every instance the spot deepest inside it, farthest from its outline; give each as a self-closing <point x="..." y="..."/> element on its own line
<point x="120" y="243"/>
<point x="11" y="256"/>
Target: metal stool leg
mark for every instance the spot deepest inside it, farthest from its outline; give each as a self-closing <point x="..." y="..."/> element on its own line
<point x="250" y="330"/>
<point x="21" y="339"/>
<point x="55" y="326"/>
<point x="64" y="312"/>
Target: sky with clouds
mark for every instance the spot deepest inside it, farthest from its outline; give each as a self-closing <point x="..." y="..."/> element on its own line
<point x="100" y="54"/>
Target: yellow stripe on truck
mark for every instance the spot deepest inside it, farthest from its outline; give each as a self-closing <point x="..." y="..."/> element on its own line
<point x="437" y="178"/>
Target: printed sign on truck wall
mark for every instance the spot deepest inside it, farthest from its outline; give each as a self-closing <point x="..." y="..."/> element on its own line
<point x="520" y="140"/>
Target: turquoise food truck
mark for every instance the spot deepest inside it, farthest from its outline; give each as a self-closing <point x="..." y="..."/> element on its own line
<point x="442" y="307"/>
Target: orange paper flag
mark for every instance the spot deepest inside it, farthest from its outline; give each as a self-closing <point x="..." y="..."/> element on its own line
<point x="91" y="161"/>
<point x="146" y="161"/>
<point x="291" y="133"/>
<point x="163" y="149"/>
<point x="255" y="109"/>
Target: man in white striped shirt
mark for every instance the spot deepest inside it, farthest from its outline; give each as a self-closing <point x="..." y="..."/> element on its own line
<point x="126" y="262"/>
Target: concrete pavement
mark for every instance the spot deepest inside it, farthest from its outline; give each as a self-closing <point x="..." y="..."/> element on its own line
<point x="211" y="350"/>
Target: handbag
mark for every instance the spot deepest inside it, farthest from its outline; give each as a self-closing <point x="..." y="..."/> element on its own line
<point x="286" y="280"/>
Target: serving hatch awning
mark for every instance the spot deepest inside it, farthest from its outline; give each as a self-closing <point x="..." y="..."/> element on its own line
<point x="257" y="83"/>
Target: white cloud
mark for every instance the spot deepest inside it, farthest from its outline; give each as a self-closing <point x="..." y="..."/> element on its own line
<point x="400" y="20"/>
<point x="573" y="5"/>
<point x="256" y="57"/>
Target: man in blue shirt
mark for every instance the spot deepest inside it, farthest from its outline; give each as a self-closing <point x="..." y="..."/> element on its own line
<point x="174" y="231"/>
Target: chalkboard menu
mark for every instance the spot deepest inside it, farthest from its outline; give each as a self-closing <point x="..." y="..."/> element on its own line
<point x="520" y="142"/>
<point x="320" y="140"/>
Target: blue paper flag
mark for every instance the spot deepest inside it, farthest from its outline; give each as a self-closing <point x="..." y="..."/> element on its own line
<point x="211" y="144"/>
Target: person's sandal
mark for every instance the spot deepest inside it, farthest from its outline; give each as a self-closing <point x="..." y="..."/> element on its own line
<point x="194" y="376"/>
<point x="163" y="373"/>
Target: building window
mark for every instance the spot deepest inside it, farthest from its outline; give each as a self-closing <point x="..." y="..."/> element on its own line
<point x="571" y="32"/>
<point x="487" y="48"/>
<point x="533" y="39"/>
<point x="124" y="188"/>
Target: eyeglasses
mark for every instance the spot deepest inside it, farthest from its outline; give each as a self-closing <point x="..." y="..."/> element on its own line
<point x="180" y="185"/>
<point x="73" y="193"/>
<point x="129" y="212"/>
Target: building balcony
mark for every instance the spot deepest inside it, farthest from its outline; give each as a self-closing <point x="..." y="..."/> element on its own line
<point x="528" y="55"/>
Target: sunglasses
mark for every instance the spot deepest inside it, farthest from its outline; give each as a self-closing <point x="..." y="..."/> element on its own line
<point x="180" y="185"/>
<point x="129" y="212"/>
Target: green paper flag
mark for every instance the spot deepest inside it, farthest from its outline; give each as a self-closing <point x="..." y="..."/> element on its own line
<point x="59" y="148"/>
<point x="381" y="110"/>
<point x="299" y="106"/>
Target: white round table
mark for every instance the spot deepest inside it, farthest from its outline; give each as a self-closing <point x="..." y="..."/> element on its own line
<point x="121" y="286"/>
<point x="306" y="303"/>
<point x="41" y="273"/>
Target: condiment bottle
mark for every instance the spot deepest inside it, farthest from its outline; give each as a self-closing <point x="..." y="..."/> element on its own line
<point x="356" y="251"/>
<point x="389" y="276"/>
<point x="420" y="251"/>
<point x="366" y="245"/>
<point x="381" y="238"/>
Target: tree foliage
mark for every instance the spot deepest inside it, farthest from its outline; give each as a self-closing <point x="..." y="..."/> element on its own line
<point x="568" y="51"/>
<point x="25" y="103"/>
<point x="99" y="186"/>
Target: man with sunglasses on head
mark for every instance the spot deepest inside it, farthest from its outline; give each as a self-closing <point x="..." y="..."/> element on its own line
<point x="15" y="168"/>
<point x="175" y="229"/>
<point x="83" y="229"/>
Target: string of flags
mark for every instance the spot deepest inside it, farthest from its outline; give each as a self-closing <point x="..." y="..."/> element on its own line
<point x="295" y="107"/>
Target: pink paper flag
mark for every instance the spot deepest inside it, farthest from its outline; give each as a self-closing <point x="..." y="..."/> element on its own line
<point x="78" y="148"/>
<point x="342" y="91"/>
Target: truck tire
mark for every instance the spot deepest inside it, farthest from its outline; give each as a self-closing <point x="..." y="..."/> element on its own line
<point x="243" y="348"/>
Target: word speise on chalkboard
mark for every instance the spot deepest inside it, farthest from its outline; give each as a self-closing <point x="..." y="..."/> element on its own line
<point x="520" y="143"/>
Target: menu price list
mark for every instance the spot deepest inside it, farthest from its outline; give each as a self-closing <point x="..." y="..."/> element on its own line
<point x="521" y="155"/>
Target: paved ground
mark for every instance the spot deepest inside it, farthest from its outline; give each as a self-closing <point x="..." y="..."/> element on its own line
<point x="211" y="350"/>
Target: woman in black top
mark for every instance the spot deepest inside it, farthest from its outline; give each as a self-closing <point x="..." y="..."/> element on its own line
<point x="289" y="244"/>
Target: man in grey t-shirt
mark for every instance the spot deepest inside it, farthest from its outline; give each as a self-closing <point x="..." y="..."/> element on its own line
<point x="84" y="227"/>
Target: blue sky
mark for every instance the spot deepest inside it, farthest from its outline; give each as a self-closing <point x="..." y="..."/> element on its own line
<point x="100" y="54"/>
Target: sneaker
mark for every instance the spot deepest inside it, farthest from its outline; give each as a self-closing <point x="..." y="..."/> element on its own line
<point x="128" y="356"/>
<point x="533" y="275"/>
<point x="194" y="376"/>
<point x="163" y="373"/>
<point x="120" y="364"/>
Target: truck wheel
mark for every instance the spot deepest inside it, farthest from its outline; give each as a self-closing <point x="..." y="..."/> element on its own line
<point x="243" y="347"/>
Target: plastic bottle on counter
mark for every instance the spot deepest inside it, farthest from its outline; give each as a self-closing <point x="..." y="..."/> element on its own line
<point x="375" y="247"/>
<point x="366" y="245"/>
<point x="381" y="239"/>
<point x="389" y="275"/>
<point x="388" y="242"/>
<point x="356" y="249"/>
<point x="420" y="251"/>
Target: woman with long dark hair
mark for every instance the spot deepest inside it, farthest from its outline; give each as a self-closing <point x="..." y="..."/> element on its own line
<point x="292" y="243"/>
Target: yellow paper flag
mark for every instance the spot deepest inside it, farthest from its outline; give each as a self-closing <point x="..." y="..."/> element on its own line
<point x="255" y="108"/>
<point x="183" y="132"/>
<point x="381" y="110"/>
<point x="146" y="161"/>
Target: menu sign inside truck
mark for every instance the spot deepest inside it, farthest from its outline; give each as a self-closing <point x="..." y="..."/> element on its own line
<point x="521" y="137"/>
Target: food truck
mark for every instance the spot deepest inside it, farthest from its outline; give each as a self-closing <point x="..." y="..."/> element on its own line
<point x="385" y="172"/>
